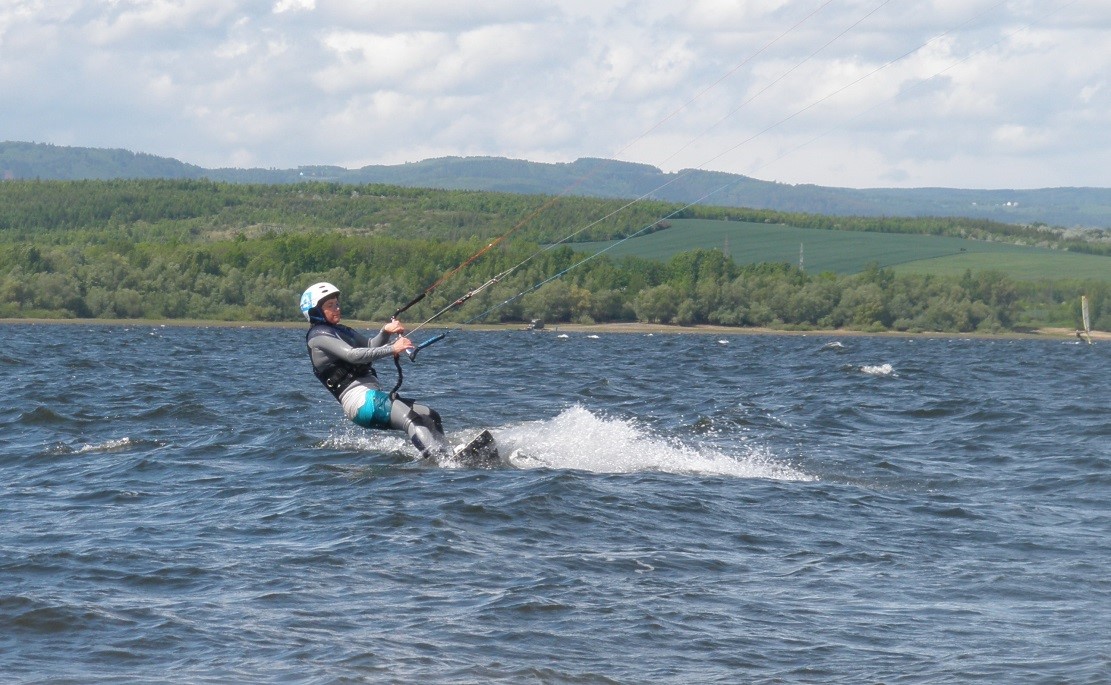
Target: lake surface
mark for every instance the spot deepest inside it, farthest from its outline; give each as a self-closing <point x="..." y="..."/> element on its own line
<point x="188" y="505"/>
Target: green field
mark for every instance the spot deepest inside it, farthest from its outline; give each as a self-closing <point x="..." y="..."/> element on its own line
<point x="849" y="252"/>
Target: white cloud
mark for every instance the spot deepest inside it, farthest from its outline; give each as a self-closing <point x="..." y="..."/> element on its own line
<point x="294" y="6"/>
<point x="916" y="92"/>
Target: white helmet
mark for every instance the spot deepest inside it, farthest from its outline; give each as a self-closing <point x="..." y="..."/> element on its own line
<point x="312" y="297"/>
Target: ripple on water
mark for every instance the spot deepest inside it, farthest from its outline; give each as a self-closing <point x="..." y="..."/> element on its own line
<point x="677" y="510"/>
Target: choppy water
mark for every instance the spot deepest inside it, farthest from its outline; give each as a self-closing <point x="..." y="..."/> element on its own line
<point x="187" y="505"/>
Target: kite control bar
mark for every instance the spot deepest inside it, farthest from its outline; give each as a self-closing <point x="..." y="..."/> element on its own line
<point x="412" y="351"/>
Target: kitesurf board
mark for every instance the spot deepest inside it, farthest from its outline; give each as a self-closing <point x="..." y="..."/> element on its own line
<point x="481" y="452"/>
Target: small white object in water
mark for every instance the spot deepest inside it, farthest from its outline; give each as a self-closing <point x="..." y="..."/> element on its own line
<point x="881" y="370"/>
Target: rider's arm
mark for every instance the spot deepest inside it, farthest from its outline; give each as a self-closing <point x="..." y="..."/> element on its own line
<point x="339" y="349"/>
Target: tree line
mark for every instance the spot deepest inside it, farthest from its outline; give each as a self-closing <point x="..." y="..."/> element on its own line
<point x="203" y="250"/>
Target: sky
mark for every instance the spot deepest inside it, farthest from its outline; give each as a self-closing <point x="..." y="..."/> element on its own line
<point x="849" y="93"/>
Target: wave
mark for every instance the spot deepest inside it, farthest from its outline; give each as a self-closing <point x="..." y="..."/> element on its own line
<point x="106" y="446"/>
<point x="42" y="416"/>
<point x="879" y="370"/>
<point x="350" y="437"/>
<point x="61" y="448"/>
<point x="578" y="439"/>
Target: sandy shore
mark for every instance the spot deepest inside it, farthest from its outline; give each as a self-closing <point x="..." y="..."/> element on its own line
<point x="641" y="328"/>
<point x="732" y="330"/>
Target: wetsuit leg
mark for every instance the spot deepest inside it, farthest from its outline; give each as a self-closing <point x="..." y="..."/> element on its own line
<point x="422" y="424"/>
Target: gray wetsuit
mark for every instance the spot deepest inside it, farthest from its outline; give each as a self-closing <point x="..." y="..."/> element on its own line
<point x="341" y="359"/>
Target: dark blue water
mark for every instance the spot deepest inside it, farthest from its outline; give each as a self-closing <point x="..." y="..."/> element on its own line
<point x="188" y="505"/>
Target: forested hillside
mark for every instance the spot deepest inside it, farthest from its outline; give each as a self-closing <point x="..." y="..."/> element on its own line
<point x="199" y="249"/>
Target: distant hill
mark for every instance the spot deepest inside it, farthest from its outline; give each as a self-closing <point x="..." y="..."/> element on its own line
<point x="38" y="160"/>
<point x="1065" y="207"/>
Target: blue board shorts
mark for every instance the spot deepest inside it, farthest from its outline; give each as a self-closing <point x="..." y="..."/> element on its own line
<point x="375" y="412"/>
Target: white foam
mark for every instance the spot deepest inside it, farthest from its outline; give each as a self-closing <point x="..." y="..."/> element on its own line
<point x="578" y="439"/>
<point x="352" y="437"/>
<point x="880" y="370"/>
<point x="108" y="446"/>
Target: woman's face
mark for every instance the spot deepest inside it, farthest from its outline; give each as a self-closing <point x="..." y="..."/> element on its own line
<point x="330" y="307"/>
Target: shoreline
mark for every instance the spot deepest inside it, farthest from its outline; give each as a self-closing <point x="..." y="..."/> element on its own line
<point x="621" y="328"/>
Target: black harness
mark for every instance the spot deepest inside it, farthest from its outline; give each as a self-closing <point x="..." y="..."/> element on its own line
<point x="337" y="374"/>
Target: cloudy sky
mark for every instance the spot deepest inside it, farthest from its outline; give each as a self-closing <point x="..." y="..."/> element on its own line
<point x="860" y="93"/>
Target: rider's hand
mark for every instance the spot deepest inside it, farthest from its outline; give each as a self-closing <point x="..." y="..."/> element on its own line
<point x="394" y="326"/>
<point x="401" y="344"/>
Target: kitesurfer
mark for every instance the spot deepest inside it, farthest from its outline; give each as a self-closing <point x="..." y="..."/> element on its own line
<point x="342" y="360"/>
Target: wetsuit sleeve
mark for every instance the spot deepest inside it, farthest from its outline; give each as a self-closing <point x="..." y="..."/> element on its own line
<point x="381" y="339"/>
<point x="355" y="355"/>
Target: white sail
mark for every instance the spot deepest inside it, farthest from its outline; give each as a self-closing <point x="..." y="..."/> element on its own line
<point x="1084" y="311"/>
